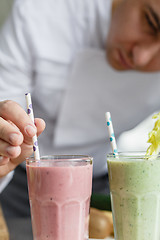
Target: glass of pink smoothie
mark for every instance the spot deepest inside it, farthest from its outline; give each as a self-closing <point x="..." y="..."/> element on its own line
<point x="59" y="193"/>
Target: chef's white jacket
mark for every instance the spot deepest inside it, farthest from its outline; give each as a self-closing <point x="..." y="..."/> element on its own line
<point x="56" y="50"/>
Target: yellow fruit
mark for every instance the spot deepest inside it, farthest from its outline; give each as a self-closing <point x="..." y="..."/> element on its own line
<point x="154" y="137"/>
<point x="100" y="224"/>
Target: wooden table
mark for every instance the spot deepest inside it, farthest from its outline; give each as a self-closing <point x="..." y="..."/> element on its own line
<point x="20" y="229"/>
<point x="4" y="234"/>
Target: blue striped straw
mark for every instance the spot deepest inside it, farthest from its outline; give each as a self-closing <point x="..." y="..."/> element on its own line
<point x="31" y="115"/>
<point x="111" y="133"/>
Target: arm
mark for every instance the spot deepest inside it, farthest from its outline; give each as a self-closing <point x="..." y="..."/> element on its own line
<point x="15" y="58"/>
<point x="16" y="129"/>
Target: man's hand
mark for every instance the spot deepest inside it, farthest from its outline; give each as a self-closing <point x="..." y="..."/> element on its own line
<point x="16" y="132"/>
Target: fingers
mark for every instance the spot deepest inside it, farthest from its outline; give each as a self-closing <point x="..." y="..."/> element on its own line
<point x="15" y="114"/>
<point x="10" y="110"/>
<point x="40" y="124"/>
<point x="10" y="133"/>
<point x="9" y="164"/>
<point x="16" y="132"/>
<point x="10" y="140"/>
<point x="3" y="160"/>
<point x="8" y="150"/>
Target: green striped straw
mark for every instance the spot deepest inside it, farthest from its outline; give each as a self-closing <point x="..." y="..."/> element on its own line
<point x="111" y="133"/>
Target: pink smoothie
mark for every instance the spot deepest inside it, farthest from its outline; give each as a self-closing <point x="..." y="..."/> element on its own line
<point x="59" y="199"/>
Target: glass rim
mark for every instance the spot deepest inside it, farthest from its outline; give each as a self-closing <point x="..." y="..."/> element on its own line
<point x="61" y="158"/>
<point x="132" y="155"/>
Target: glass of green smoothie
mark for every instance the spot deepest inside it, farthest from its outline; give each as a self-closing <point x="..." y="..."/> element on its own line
<point x="135" y="195"/>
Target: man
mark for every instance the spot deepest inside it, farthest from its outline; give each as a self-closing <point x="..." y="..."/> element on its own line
<point x="55" y="49"/>
<point x="133" y="40"/>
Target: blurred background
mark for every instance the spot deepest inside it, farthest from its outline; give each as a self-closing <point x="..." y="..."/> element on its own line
<point x="5" y="7"/>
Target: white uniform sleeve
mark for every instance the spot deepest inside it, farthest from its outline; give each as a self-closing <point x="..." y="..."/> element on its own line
<point x="15" y="72"/>
<point x="15" y="59"/>
<point x="5" y="180"/>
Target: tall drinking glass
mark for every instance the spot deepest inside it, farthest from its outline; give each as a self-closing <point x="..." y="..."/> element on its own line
<point x="59" y="193"/>
<point x="135" y="195"/>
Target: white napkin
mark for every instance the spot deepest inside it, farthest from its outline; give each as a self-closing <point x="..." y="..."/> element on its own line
<point x="136" y="139"/>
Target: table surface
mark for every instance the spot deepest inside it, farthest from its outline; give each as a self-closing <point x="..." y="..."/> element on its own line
<point x="21" y="228"/>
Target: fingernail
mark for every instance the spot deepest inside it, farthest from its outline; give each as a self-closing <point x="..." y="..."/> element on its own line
<point x="14" y="137"/>
<point x="30" y="130"/>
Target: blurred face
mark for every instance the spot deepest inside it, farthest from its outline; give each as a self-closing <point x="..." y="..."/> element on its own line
<point x="134" y="36"/>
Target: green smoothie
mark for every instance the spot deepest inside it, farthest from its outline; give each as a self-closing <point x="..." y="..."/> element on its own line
<point x="135" y="195"/>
